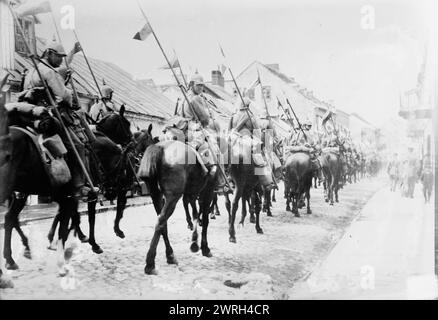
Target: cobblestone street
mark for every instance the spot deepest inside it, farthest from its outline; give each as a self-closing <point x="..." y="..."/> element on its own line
<point x="261" y="266"/>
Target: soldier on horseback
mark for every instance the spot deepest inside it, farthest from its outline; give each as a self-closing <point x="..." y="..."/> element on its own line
<point x="244" y="125"/>
<point x="104" y="107"/>
<point x="310" y="140"/>
<point x="55" y="77"/>
<point x="198" y="117"/>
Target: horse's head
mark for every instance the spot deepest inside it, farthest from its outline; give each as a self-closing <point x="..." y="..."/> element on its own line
<point x="116" y="127"/>
<point x="144" y="139"/>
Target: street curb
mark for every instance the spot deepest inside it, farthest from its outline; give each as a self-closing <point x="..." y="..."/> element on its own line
<point x="81" y="212"/>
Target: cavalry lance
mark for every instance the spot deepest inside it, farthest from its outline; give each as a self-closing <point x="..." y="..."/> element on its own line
<point x="298" y="121"/>
<point x="287" y="115"/>
<point x="186" y="98"/>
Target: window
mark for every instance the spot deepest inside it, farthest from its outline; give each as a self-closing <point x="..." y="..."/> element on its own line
<point x="28" y="26"/>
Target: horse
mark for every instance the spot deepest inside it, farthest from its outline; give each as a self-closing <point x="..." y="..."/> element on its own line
<point x="24" y="172"/>
<point x="165" y="169"/>
<point x="107" y="159"/>
<point x="111" y="169"/>
<point x="245" y="178"/>
<point x="331" y="167"/>
<point x="298" y="180"/>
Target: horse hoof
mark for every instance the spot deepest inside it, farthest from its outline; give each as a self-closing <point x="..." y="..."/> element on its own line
<point x="213" y="217"/>
<point x="190" y="226"/>
<point x="172" y="260"/>
<point x="337" y="200"/>
<point x="6" y="283"/>
<point x="11" y="265"/>
<point x="309" y="211"/>
<point x="150" y="271"/>
<point x="27" y="254"/>
<point x="331" y="203"/>
<point x="97" y="249"/>
<point x="259" y="230"/>
<point x="194" y="247"/>
<point x="252" y="220"/>
<point x="207" y="253"/>
<point x="326" y="200"/>
<point x="52" y="247"/>
<point x="119" y="233"/>
<point x="288" y="209"/>
<point x="269" y="214"/>
<point x="233" y="239"/>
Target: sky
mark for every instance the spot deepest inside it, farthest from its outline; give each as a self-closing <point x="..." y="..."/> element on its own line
<point x="322" y="44"/>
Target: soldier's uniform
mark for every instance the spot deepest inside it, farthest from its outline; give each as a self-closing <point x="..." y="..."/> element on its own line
<point x="198" y="117"/>
<point x="102" y="108"/>
<point x="73" y="120"/>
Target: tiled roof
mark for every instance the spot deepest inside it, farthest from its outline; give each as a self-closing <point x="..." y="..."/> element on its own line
<point x="138" y="97"/>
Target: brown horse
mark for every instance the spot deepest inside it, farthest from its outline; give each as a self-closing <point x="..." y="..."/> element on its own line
<point x="171" y="170"/>
<point x="298" y="180"/>
<point x="24" y="173"/>
<point x="331" y="168"/>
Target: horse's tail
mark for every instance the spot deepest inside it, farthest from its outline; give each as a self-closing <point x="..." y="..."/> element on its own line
<point x="150" y="164"/>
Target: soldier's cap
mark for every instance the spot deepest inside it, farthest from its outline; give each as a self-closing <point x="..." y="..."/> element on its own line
<point x="55" y="47"/>
<point x="106" y="91"/>
<point x="197" y="79"/>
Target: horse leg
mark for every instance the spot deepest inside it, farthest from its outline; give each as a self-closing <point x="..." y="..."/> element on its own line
<point x="20" y="203"/>
<point x="15" y="206"/>
<point x="51" y="234"/>
<point x="288" y="200"/>
<point x="92" y="222"/>
<point x="121" y="205"/>
<point x="68" y="207"/>
<point x="309" y="211"/>
<point x="204" y="205"/>
<point x="273" y="196"/>
<point x="268" y="201"/>
<point x="257" y="206"/>
<point x="170" y="257"/>
<point x="232" y="217"/>
<point x="166" y="212"/>
<point x="295" y="199"/>
<point x="251" y="207"/>
<point x="216" y="207"/>
<point x="244" y="212"/>
<point x="187" y="212"/>
<point x="194" y="247"/>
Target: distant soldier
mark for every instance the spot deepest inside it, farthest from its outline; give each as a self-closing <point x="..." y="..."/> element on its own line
<point x="411" y="172"/>
<point x="102" y="108"/>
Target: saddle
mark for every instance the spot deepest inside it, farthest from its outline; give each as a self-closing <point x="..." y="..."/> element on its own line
<point x="51" y="151"/>
<point x="295" y="149"/>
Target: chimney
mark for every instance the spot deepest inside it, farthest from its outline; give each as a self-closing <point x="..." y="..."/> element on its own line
<point x="274" y="66"/>
<point x="217" y="78"/>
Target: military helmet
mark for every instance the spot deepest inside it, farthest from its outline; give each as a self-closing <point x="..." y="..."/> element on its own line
<point x="55" y="47"/>
<point x="106" y="91"/>
<point x="197" y="79"/>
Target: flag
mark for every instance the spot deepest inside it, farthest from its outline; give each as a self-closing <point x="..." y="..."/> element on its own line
<point x="31" y="9"/>
<point x="174" y="63"/>
<point x="143" y="33"/>
<point x="326" y="117"/>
